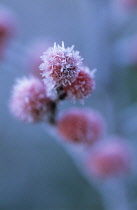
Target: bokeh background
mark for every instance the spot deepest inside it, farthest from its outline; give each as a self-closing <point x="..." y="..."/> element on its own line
<point x="35" y="171"/>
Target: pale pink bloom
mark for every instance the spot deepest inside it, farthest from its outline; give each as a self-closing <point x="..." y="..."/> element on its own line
<point x="129" y="3"/>
<point x="80" y="126"/>
<point x="60" y="65"/>
<point x="35" y="51"/>
<point x="82" y="86"/>
<point x="109" y="159"/>
<point x="29" y="101"/>
<point x="8" y="25"/>
<point x="8" y="28"/>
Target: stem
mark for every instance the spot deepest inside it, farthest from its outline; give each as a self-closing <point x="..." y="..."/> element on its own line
<point x="52" y="113"/>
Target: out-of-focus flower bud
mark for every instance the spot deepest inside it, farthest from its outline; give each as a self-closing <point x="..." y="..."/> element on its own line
<point x="109" y="159"/>
<point x="29" y="101"/>
<point x="80" y="126"/>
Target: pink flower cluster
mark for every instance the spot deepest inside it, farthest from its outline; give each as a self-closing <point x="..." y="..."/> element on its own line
<point x="63" y="72"/>
<point x="64" y="75"/>
<point x="62" y="68"/>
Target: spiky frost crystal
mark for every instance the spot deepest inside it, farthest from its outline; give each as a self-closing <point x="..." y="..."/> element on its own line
<point x="60" y="66"/>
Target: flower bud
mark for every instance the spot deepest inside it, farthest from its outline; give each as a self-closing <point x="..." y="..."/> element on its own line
<point x="82" y="86"/>
<point x="80" y="126"/>
<point x="109" y="159"/>
<point x="60" y="66"/>
<point x="29" y="101"/>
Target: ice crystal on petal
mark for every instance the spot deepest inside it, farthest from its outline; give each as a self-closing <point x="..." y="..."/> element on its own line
<point x="82" y="86"/>
<point x="60" y="65"/>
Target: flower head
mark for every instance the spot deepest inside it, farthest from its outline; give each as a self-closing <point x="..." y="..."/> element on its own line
<point x="29" y="101"/>
<point x="82" y="86"/>
<point x="80" y="126"/>
<point x="109" y="159"/>
<point x="60" y="65"/>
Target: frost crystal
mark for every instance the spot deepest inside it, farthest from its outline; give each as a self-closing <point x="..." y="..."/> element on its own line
<point x="83" y="85"/>
<point x="60" y="66"/>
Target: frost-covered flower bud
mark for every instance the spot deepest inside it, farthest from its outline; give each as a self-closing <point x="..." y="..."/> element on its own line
<point x="34" y="56"/>
<point x="60" y="66"/>
<point x="29" y="101"/>
<point x="83" y="85"/>
<point x="80" y="126"/>
<point x="109" y="159"/>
